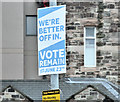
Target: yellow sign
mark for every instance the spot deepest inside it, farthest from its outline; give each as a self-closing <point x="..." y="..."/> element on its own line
<point x="51" y="95"/>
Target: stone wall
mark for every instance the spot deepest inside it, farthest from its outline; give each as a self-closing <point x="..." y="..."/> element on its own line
<point x="105" y="17"/>
<point x="89" y="94"/>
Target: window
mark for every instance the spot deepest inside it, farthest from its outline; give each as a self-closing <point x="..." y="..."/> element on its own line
<point x="11" y="90"/>
<point x="93" y="93"/>
<point x="31" y="26"/>
<point x="15" y="96"/>
<point x="89" y="46"/>
<point x="83" y="96"/>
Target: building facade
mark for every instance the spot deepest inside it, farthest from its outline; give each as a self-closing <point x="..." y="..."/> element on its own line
<point x="92" y="50"/>
<point x="92" y="39"/>
<point x="101" y="50"/>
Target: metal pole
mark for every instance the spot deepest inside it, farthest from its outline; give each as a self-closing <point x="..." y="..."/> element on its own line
<point x="54" y="77"/>
<point x="53" y="2"/>
<point x="55" y="81"/>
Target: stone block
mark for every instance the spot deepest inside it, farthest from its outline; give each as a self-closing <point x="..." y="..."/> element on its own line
<point x="105" y="61"/>
<point x="101" y="43"/>
<point x="71" y="28"/>
<point x="98" y="53"/>
<point x="100" y="35"/>
<point x="108" y="57"/>
<point x="100" y="57"/>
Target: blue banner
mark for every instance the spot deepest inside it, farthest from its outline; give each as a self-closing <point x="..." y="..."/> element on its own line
<point x="51" y="40"/>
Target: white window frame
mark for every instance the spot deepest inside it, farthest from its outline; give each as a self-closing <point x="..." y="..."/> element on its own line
<point x="85" y="37"/>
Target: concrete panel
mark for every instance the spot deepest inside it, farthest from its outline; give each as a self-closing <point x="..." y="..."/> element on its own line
<point x="0" y="24"/>
<point x="12" y="25"/>
<point x="12" y="40"/>
<point x="31" y="8"/>
<point x="0" y="41"/>
<point x="31" y="68"/>
<point x="12" y="66"/>
<point x="0" y="66"/>
<point x="30" y="45"/>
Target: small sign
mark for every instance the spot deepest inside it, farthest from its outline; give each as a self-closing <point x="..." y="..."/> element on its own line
<point x="51" y="40"/>
<point x="51" y="95"/>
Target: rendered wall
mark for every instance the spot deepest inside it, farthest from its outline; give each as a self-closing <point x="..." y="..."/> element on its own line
<point x="12" y="40"/>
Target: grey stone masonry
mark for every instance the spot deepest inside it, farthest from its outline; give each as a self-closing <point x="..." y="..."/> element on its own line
<point x="104" y="16"/>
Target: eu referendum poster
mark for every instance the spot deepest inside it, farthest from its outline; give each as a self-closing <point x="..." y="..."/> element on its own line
<point x="51" y="40"/>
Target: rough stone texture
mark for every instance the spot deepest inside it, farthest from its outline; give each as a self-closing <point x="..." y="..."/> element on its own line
<point x="105" y="17"/>
<point x="89" y="94"/>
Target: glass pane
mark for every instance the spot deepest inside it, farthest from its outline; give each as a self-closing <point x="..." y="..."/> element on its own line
<point x="31" y="25"/>
<point x="90" y="53"/>
<point x="90" y="42"/>
<point x="90" y="32"/>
